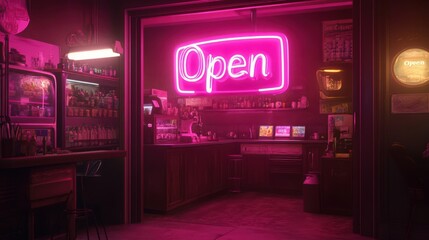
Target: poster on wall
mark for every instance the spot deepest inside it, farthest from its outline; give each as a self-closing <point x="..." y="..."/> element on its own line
<point x="410" y="103"/>
<point x="335" y="106"/>
<point x="338" y="40"/>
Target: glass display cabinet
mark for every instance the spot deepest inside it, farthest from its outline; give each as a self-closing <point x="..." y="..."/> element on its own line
<point x="161" y="129"/>
<point x="89" y="110"/>
<point x="165" y="129"/>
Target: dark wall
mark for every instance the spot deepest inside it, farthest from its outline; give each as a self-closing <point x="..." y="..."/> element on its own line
<point x="408" y="31"/>
<point x="304" y="33"/>
<point x="406" y="27"/>
<point x="53" y="21"/>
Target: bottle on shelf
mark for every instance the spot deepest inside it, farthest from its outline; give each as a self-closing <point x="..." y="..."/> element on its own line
<point x="87" y="136"/>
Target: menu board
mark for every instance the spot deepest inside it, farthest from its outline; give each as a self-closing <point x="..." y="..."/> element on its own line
<point x="266" y="131"/>
<point x="298" y="131"/>
<point x="338" y="41"/>
<point x="282" y="131"/>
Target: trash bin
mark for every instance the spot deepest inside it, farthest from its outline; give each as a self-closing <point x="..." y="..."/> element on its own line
<point x="311" y="193"/>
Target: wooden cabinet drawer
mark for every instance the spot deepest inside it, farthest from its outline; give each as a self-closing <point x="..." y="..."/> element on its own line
<point x="51" y="182"/>
<point x="285" y="166"/>
<point x="274" y="149"/>
<point x="285" y="174"/>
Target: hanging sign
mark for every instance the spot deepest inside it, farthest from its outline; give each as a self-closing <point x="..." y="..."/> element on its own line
<point x="411" y="67"/>
<point x="252" y="63"/>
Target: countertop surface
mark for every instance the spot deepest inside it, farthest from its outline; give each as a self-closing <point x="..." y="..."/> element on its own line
<point x="240" y="141"/>
<point x="59" y="158"/>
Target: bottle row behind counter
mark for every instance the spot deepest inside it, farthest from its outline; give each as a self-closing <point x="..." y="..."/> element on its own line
<point x="257" y="102"/>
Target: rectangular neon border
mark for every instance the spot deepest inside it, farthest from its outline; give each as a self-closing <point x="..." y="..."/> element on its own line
<point x="284" y="68"/>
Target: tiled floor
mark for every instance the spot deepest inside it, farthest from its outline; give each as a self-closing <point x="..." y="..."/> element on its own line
<point x="243" y="216"/>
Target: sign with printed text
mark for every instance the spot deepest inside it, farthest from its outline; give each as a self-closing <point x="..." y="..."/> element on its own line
<point x="411" y="68"/>
<point x="251" y="63"/>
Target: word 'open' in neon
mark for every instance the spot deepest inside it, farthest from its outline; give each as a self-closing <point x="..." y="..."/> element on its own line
<point x="255" y="63"/>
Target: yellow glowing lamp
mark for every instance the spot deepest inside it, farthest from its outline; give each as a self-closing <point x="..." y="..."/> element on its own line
<point x="331" y="70"/>
<point x="411" y="67"/>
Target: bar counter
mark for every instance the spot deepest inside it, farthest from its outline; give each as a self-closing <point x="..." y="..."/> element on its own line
<point x="239" y="141"/>
<point x="58" y="158"/>
<point x="176" y="174"/>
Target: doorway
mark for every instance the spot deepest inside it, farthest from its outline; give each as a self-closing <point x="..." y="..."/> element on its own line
<point x="140" y="25"/>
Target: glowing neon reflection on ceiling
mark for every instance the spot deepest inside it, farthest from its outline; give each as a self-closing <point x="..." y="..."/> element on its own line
<point x="234" y="64"/>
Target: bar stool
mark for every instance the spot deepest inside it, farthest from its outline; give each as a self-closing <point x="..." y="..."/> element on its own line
<point x="235" y="170"/>
<point x="92" y="169"/>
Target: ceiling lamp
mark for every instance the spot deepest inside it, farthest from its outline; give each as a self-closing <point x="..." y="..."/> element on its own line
<point x="96" y="52"/>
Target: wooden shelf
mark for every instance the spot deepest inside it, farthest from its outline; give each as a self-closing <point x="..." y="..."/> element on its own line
<point x="255" y="110"/>
<point x="91" y="120"/>
<point x="93" y="148"/>
<point x="84" y="75"/>
<point x="59" y="159"/>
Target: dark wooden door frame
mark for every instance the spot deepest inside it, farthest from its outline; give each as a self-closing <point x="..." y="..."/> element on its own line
<point x="134" y="116"/>
<point x="369" y="158"/>
<point x="365" y="152"/>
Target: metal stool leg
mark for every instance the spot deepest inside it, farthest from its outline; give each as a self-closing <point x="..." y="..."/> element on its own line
<point x="86" y="213"/>
<point x="235" y="172"/>
<point x="96" y="226"/>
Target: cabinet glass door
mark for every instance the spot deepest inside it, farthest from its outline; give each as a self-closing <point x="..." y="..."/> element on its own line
<point x="166" y="129"/>
<point x="32" y="96"/>
<point x="91" y="117"/>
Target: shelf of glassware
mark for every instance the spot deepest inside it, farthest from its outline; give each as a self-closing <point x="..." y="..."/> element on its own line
<point x="90" y="111"/>
<point x="269" y="110"/>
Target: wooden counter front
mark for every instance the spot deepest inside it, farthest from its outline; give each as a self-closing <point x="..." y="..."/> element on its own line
<point x="175" y="176"/>
<point x="30" y="183"/>
<point x="179" y="173"/>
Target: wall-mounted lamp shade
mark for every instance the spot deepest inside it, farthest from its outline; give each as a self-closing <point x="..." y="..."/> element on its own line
<point x="330" y="79"/>
<point x="411" y="67"/>
<point x="96" y="53"/>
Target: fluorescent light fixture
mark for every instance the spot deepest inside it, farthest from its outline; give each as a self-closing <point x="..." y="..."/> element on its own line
<point x="96" y="53"/>
<point x="92" y="54"/>
<point x="81" y="82"/>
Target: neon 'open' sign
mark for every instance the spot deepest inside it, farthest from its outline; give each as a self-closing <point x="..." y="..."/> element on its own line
<point x="235" y="64"/>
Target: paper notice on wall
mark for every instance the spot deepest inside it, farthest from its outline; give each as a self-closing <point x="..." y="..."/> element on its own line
<point x="338" y="40"/>
<point x="33" y="50"/>
<point x="410" y="103"/>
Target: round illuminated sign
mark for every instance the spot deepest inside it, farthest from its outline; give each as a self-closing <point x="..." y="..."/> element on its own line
<point x="411" y="67"/>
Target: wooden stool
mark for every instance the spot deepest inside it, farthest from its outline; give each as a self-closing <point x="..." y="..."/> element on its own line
<point x="235" y="169"/>
<point x="83" y="213"/>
